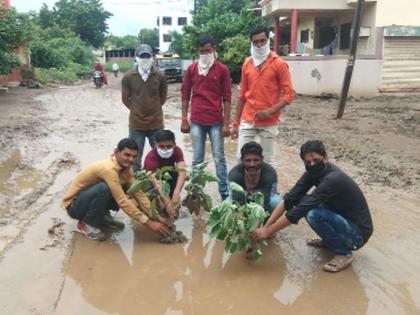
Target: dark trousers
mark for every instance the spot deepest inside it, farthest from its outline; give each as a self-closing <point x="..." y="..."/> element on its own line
<point x="91" y="205"/>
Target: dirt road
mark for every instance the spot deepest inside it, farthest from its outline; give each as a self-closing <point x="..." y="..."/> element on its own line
<point x="47" y="135"/>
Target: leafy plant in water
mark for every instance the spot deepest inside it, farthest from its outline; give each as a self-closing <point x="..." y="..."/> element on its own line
<point x="144" y="182"/>
<point x="233" y="223"/>
<point x="196" y="198"/>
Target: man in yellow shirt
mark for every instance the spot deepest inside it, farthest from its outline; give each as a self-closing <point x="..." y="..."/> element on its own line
<point x="101" y="186"/>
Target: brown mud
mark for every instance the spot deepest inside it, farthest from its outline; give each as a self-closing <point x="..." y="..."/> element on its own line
<point x="47" y="135"/>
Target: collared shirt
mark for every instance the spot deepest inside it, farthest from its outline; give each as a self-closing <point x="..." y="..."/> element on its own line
<point x="262" y="89"/>
<point x="207" y="93"/>
<point x="145" y="99"/>
<point x="337" y="191"/>
<point x="116" y="178"/>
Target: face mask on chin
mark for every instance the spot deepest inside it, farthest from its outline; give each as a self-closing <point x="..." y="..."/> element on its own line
<point x="260" y="54"/>
<point x="165" y="154"/>
<point x="317" y="169"/>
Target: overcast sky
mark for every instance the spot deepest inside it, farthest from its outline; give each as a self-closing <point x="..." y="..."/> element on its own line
<point x="129" y="16"/>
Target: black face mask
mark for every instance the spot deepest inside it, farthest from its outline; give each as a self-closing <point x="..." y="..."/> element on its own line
<point x="316" y="169"/>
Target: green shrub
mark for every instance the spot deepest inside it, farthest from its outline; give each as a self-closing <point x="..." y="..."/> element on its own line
<point x="124" y="65"/>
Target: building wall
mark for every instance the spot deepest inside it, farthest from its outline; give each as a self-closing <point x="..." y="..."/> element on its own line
<point x="401" y="12"/>
<point x="313" y="76"/>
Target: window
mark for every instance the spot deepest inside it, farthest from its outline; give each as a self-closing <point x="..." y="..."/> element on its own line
<point x="304" y="36"/>
<point x="182" y="20"/>
<point x="167" y="20"/>
<point x="167" y="38"/>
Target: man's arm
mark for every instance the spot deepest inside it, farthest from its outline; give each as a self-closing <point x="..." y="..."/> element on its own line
<point x="186" y="94"/>
<point x="125" y="96"/>
<point x="227" y="100"/>
<point x="179" y="183"/>
<point x="286" y="92"/>
<point x="163" y="90"/>
<point x="239" y="104"/>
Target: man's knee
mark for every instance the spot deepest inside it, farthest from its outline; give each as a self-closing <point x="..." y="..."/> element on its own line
<point x="103" y="189"/>
<point x="275" y="200"/>
<point x="313" y="216"/>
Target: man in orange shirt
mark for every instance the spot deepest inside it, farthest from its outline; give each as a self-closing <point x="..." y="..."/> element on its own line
<point x="266" y="88"/>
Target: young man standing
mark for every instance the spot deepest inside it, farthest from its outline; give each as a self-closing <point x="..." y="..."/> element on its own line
<point x="254" y="175"/>
<point x="100" y="187"/>
<point x="266" y="88"/>
<point x="336" y="209"/>
<point x="167" y="153"/>
<point x="144" y="91"/>
<point x="207" y="84"/>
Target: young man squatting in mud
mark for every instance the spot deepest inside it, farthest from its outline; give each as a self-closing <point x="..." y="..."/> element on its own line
<point x="336" y="209"/>
<point x="101" y="186"/>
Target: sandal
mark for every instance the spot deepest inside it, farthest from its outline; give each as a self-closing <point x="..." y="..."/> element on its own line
<point x="338" y="263"/>
<point x="315" y="242"/>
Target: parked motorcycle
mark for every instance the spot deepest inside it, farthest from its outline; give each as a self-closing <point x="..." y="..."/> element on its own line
<point x="98" y="79"/>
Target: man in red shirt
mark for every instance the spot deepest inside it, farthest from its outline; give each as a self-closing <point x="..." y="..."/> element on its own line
<point x="207" y="84"/>
<point x="266" y="88"/>
<point x="167" y="153"/>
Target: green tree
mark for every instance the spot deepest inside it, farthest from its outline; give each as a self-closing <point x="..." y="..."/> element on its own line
<point x="229" y="22"/>
<point x="149" y="36"/>
<point x="12" y="34"/>
<point x="86" y="18"/>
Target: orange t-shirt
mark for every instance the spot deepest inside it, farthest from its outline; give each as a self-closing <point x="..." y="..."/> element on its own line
<point x="262" y="89"/>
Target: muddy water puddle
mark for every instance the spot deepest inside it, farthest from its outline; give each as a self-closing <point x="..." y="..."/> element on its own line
<point x="133" y="273"/>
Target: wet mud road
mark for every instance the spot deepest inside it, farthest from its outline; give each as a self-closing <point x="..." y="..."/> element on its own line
<point x="47" y="135"/>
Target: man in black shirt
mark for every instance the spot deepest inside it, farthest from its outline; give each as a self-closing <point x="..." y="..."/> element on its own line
<point x="336" y="209"/>
<point x="254" y="175"/>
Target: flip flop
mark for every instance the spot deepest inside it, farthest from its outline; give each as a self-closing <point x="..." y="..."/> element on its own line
<point x="315" y="242"/>
<point x="338" y="263"/>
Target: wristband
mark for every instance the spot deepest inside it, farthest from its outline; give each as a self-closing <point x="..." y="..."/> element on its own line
<point x="236" y="123"/>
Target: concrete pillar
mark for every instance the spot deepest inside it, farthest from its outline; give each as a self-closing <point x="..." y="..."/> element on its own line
<point x="276" y="34"/>
<point x="293" y="31"/>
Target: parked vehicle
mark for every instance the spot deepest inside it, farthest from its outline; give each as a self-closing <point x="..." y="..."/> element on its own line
<point x="169" y="64"/>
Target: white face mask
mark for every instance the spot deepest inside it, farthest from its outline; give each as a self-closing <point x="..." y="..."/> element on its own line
<point x="205" y="62"/>
<point x="144" y="63"/>
<point x="165" y="154"/>
<point x="260" y="54"/>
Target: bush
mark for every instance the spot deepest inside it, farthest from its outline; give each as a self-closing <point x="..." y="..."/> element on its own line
<point x="65" y="75"/>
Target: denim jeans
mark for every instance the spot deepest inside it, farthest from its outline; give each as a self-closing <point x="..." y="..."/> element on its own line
<point x="275" y="200"/>
<point x="337" y="233"/>
<point x="91" y="205"/>
<point x="198" y="140"/>
<point x="267" y="134"/>
<point x="140" y="138"/>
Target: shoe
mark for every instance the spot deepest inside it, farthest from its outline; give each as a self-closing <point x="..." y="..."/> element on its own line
<point x="111" y="223"/>
<point x="338" y="263"/>
<point x="90" y="231"/>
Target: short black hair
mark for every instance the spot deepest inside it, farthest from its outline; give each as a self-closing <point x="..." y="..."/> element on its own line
<point x="251" y="148"/>
<point x="163" y="135"/>
<point x="127" y="143"/>
<point x="259" y="29"/>
<point x="205" y="39"/>
<point x="312" y="146"/>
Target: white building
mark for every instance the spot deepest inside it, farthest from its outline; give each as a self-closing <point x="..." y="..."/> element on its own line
<point x="174" y="15"/>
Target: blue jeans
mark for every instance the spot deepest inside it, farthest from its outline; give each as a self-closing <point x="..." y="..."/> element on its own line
<point x="140" y="138"/>
<point x="198" y="140"/>
<point x="91" y="205"/>
<point x="337" y="233"/>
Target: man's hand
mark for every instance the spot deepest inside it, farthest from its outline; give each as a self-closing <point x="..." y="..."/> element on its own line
<point x="259" y="234"/>
<point x="158" y="227"/>
<point x="176" y="199"/>
<point x="234" y="132"/>
<point x="225" y="131"/>
<point x="170" y="209"/>
<point x="185" y="126"/>
<point x="263" y="114"/>
<point x="165" y="221"/>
